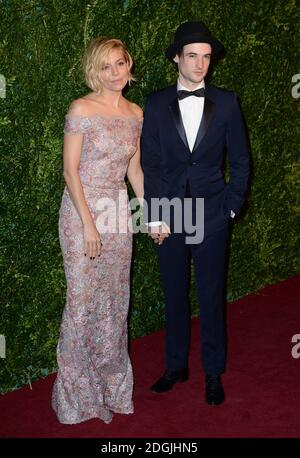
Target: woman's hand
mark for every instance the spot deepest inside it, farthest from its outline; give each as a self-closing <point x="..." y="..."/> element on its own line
<point x="92" y="240"/>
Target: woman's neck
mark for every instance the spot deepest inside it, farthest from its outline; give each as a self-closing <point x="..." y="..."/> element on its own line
<point x="109" y="98"/>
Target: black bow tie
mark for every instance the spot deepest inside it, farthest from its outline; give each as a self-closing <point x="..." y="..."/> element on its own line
<point x="198" y="93"/>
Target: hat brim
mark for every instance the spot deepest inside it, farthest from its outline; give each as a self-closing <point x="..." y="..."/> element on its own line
<point x="217" y="47"/>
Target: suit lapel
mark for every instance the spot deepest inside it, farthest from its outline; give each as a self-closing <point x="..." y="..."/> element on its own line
<point x="175" y="110"/>
<point x="208" y="112"/>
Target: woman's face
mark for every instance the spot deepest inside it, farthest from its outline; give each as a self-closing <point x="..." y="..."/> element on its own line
<point x="114" y="73"/>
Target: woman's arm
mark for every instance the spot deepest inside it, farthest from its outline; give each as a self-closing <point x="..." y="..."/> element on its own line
<point x="72" y="152"/>
<point x="134" y="171"/>
<point x="135" y="174"/>
<point x="71" y="160"/>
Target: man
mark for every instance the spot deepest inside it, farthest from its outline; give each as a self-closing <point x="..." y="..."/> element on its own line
<point x="187" y="129"/>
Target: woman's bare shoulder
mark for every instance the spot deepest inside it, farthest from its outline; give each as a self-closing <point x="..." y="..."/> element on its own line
<point x="79" y="107"/>
<point x="137" y="111"/>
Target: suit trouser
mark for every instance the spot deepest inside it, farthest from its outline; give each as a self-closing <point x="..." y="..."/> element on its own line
<point x="209" y="261"/>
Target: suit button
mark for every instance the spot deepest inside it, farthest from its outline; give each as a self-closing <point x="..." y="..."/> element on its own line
<point x="193" y="163"/>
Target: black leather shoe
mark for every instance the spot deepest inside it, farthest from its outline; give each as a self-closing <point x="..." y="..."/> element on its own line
<point x="214" y="391"/>
<point x="169" y="378"/>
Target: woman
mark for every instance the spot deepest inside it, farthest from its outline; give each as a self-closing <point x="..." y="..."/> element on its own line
<point x="101" y="146"/>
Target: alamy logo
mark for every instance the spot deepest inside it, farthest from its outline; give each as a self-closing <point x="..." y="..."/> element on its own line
<point x="2" y="87"/>
<point x="2" y="346"/>
<point x="296" y="348"/>
<point x="296" y="88"/>
<point x="120" y="216"/>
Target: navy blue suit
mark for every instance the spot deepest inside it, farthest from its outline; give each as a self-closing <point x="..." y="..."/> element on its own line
<point x="171" y="170"/>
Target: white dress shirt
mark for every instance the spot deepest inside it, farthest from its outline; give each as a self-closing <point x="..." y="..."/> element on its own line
<point x="191" y="109"/>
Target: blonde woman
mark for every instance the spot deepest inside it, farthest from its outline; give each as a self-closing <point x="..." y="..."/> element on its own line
<point x="101" y="147"/>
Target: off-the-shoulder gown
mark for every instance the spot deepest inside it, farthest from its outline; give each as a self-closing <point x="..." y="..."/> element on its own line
<point x="94" y="370"/>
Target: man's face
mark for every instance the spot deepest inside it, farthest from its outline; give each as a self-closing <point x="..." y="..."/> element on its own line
<point x="193" y="64"/>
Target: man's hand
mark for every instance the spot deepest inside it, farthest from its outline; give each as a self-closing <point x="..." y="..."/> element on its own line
<point x="159" y="232"/>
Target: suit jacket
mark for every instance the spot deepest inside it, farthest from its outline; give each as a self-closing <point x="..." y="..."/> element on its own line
<point x="169" y="165"/>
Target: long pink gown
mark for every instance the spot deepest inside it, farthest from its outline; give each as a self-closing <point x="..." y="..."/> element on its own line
<point x="94" y="371"/>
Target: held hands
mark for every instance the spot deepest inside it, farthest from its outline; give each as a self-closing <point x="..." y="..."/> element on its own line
<point x="159" y="233"/>
<point x="92" y="241"/>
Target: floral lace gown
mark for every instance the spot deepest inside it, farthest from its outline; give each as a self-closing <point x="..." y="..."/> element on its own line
<point x="94" y="371"/>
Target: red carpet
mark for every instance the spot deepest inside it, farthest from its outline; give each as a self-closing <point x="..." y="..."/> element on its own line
<point x="261" y="383"/>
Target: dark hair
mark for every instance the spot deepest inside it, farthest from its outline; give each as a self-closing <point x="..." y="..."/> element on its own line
<point x="180" y="50"/>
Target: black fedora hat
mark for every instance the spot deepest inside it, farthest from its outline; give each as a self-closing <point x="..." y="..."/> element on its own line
<point x="194" y="32"/>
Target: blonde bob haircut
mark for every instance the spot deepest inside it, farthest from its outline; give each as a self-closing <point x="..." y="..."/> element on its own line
<point x="96" y="57"/>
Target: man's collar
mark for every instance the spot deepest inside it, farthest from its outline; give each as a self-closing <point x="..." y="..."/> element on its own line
<point x="180" y="86"/>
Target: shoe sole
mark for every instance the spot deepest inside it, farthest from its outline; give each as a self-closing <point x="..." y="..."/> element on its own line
<point x="215" y="403"/>
<point x="181" y="380"/>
